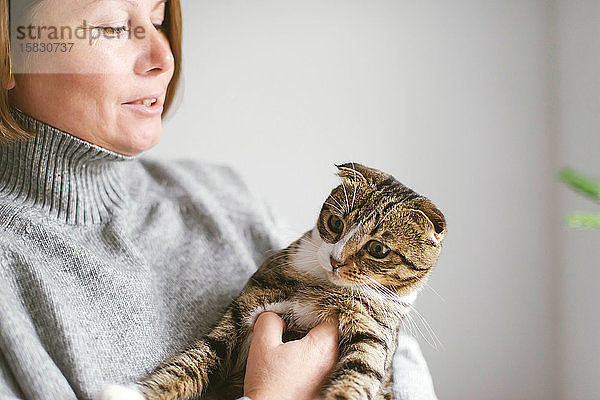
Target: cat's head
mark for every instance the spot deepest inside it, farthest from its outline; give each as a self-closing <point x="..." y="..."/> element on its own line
<point x="373" y="232"/>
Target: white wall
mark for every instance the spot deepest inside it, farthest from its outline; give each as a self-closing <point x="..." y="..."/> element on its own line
<point x="453" y="98"/>
<point x="578" y="128"/>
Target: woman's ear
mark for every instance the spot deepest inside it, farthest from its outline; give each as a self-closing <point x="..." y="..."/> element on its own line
<point x="11" y="82"/>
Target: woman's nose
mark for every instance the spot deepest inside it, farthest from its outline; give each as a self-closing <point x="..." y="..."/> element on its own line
<point x="157" y="56"/>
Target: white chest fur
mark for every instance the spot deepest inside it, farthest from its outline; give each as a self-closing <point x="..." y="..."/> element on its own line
<point x="304" y="316"/>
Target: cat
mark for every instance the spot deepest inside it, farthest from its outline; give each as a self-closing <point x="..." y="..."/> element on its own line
<point x="373" y="247"/>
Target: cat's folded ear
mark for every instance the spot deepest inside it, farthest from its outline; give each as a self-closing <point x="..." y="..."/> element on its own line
<point x="426" y="213"/>
<point x="357" y="173"/>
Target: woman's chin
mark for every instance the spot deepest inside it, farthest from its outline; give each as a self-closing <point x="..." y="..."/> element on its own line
<point x="138" y="142"/>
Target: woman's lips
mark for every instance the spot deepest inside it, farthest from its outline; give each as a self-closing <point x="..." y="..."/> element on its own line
<point x="146" y="110"/>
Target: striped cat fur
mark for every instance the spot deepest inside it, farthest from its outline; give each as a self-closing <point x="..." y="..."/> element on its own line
<point x="371" y="251"/>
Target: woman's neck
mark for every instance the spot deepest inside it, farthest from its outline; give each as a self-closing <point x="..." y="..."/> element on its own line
<point x="68" y="178"/>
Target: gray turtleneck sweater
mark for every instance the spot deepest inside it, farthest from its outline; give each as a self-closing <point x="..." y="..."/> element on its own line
<point x="109" y="264"/>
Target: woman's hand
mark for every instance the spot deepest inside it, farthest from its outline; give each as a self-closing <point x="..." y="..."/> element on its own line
<point x="289" y="371"/>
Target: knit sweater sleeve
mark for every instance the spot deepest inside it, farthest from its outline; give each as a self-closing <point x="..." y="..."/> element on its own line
<point x="9" y="389"/>
<point x="412" y="379"/>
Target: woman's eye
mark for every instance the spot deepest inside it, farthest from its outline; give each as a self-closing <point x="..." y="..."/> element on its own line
<point x="160" y="27"/>
<point x="335" y="223"/>
<point x="113" y="31"/>
<point x="377" y="249"/>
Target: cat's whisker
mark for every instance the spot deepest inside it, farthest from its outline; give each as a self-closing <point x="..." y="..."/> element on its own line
<point x="346" y="196"/>
<point x="334" y="206"/>
<point x="428" y="327"/>
<point x="428" y="286"/>
<point x="379" y="303"/>
<point x="292" y="264"/>
<point x="411" y="325"/>
<point x="374" y="288"/>
<point x="279" y="257"/>
<point x="315" y="245"/>
<point x="366" y="299"/>
<point x="379" y="307"/>
<point x="414" y="327"/>
<point x="378" y="299"/>
<point x="384" y="307"/>
<point x="386" y="215"/>
<point x="270" y="252"/>
<point x="353" y="195"/>
<point x="355" y="184"/>
<point x="354" y="292"/>
<point x="382" y="288"/>
<point x="308" y="255"/>
<point x="311" y="253"/>
<point x="418" y="328"/>
<point x="308" y="251"/>
<point x="432" y="339"/>
<point x="390" y="312"/>
<point x="310" y="242"/>
<point x="338" y="203"/>
<point x="373" y="303"/>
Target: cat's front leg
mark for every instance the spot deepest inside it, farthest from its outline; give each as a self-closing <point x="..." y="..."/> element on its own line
<point x="364" y="357"/>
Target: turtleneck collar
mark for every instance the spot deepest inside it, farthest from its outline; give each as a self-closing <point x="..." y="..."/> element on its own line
<point x="69" y="178"/>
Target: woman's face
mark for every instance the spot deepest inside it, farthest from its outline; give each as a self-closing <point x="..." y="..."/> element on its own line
<point x="88" y="88"/>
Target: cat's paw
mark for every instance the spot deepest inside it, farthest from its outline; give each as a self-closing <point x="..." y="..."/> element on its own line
<point x="118" y="392"/>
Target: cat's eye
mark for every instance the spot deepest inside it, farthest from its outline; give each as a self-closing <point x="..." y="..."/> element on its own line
<point x="377" y="249"/>
<point x="335" y="223"/>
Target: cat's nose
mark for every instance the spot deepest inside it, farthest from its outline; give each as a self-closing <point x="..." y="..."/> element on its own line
<point x="334" y="263"/>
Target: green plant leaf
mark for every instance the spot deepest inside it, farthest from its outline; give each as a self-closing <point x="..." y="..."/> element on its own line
<point x="581" y="183"/>
<point x="581" y="220"/>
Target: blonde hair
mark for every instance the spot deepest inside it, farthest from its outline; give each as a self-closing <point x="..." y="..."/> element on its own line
<point x="10" y="129"/>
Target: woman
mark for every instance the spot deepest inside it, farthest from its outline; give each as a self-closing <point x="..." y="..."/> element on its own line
<point x="110" y="262"/>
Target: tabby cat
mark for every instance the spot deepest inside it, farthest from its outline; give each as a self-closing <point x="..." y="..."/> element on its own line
<point x="372" y="249"/>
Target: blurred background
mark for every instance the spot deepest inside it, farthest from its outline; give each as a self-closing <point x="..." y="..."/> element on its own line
<point x="475" y="104"/>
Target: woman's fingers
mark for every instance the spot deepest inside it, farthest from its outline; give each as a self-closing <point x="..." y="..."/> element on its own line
<point x="326" y="332"/>
<point x="269" y="328"/>
<point x="293" y="370"/>
<point x="321" y="344"/>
